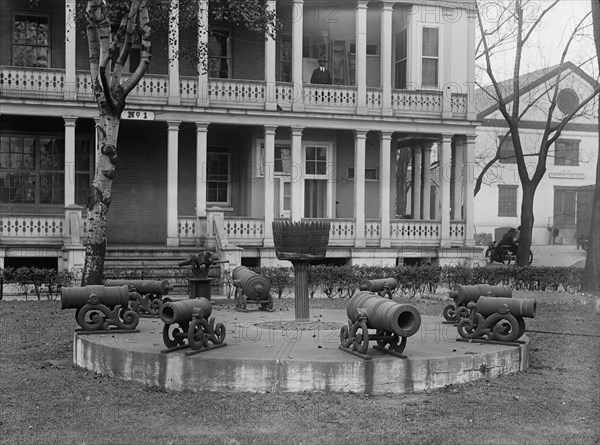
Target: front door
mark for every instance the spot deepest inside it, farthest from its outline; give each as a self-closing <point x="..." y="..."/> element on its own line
<point x="564" y="208"/>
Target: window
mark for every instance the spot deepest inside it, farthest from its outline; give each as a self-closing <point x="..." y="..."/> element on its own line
<point x="507" y="200"/>
<point x="370" y="174"/>
<point x="32" y="170"/>
<point x="566" y="152"/>
<point x="430" y="50"/>
<point x="401" y="57"/>
<point x="219" y="53"/>
<point x="285" y="58"/>
<point x="316" y="161"/>
<point x="282" y="158"/>
<point x="135" y="56"/>
<point x="507" y="151"/>
<point x="31" y="44"/>
<point x="372" y="48"/>
<point x="217" y="175"/>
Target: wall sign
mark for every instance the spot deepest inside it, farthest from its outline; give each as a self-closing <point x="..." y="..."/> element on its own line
<point x="566" y="175"/>
<point x="138" y="115"/>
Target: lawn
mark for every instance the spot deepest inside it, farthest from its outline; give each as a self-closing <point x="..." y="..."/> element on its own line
<point x="45" y="399"/>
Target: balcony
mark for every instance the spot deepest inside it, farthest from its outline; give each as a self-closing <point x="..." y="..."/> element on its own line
<point x="50" y="84"/>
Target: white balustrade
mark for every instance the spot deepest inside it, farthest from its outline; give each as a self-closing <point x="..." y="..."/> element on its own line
<point x="458" y="104"/>
<point x="240" y="228"/>
<point x="32" y="226"/>
<point x="374" y="99"/>
<point x="35" y="83"/>
<point x="248" y="93"/>
<point x="415" y="230"/>
<point x="186" y="227"/>
<point x="331" y="95"/>
<point x="372" y="229"/>
<point x="457" y="230"/>
<point x="417" y="101"/>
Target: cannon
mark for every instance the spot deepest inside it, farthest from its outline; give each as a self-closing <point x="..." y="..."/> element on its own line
<point x="383" y="286"/>
<point x="201" y="264"/>
<point x="100" y="307"/>
<point x="393" y="324"/>
<point x="187" y="324"/>
<point x="149" y="294"/>
<point x="251" y="287"/>
<point x="496" y="319"/>
<point x="462" y="295"/>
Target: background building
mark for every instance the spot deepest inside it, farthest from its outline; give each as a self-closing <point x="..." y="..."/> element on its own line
<point x="571" y="161"/>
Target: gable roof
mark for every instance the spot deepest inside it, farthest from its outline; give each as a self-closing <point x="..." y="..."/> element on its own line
<point x="486" y="105"/>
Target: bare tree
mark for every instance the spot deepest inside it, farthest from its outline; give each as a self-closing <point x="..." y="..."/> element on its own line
<point x="112" y="27"/>
<point x="510" y="32"/>
<point x="591" y="273"/>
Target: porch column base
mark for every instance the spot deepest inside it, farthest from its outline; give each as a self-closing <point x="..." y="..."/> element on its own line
<point x="172" y="242"/>
<point x="385" y="242"/>
<point x="360" y="242"/>
<point x="73" y="257"/>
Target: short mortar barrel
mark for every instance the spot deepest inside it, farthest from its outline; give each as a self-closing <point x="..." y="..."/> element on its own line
<point x="463" y="294"/>
<point x="181" y="311"/>
<point x="487" y="306"/>
<point x="385" y="314"/>
<point x="378" y="285"/>
<point x="77" y="297"/>
<point x="143" y="286"/>
<point x="254" y="285"/>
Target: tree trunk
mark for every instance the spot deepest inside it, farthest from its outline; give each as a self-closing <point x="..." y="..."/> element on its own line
<point x="527" y="219"/>
<point x="99" y="198"/>
<point x="591" y="273"/>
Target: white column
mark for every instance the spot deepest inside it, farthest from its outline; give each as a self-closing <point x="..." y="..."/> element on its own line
<point x="202" y="47"/>
<point x="427" y="181"/>
<point x="469" y="188"/>
<point x="172" y="177"/>
<point x="174" y="96"/>
<point x="360" y="143"/>
<point x="361" y="56"/>
<point x="201" y="150"/>
<point x="470" y="87"/>
<point x="444" y="152"/>
<point x="297" y="176"/>
<point x="457" y="165"/>
<point x="297" y="41"/>
<point x="416" y="182"/>
<point x="386" y="58"/>
<point x="270" y="61"/>
<point x="70" y="51"/>
<point x="269" y="178"/>
<point x="70" y="122"/>
<point x="385" y="186"/>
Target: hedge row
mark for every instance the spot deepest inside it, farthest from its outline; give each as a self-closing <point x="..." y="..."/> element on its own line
<point x="47" y="281"/>
<point x="332" y="281"/>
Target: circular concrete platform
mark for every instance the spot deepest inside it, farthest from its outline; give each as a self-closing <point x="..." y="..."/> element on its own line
<point x="260" y="360"/>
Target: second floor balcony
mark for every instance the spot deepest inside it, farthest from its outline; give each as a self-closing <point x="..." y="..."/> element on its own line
<point x="40" y="84"/>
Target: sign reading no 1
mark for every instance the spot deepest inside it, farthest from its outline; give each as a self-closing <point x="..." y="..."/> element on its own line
<point x="138" y="115"/>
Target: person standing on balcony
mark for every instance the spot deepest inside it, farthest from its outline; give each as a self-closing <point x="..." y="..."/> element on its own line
<point x="321" y="75"/>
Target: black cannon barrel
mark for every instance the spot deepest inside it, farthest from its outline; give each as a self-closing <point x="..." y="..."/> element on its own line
<point x="254" y="285"/>
<point x="525" y="308"/>
<point x="382" y="313"/>
<point x="378" y="285"/>
<point x="77" y="297"/>
<point x="463" y="294"/>
<point x="181" y="311"/>
<point x="143" y="286"/>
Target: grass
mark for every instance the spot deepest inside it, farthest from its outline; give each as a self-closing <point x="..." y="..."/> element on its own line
<point x="45" y="399"/>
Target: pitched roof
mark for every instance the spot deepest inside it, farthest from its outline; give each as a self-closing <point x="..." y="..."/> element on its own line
<point x="486" y="104"/>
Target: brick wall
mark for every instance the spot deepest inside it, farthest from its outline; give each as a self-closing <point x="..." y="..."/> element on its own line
<point x="139" y="196"/>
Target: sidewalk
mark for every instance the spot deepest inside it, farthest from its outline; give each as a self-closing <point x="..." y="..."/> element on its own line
<point x="558" y="255"/>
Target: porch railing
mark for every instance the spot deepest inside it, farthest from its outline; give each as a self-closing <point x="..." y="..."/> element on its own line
<point x="32" y="226"/>
<point x="50" y="84"/>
